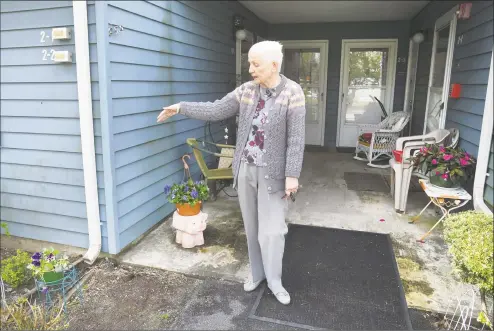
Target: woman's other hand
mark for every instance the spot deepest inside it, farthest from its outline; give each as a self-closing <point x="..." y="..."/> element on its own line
<point x="291" y="185"/>
<point x="168" y="112"/>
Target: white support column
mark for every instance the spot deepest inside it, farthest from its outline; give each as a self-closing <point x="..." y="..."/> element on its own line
<point x="484" y="149"/>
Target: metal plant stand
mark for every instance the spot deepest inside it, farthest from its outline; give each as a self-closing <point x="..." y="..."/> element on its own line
<point x="48" y="292"/>
<point x="448" y="199"/>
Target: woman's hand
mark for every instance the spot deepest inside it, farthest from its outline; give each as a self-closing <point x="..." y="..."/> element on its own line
<point x="168" y="112"/>
<point x="291" y="185"/>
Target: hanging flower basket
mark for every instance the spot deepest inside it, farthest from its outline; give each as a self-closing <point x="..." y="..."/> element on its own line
<point x="188" y="195"/>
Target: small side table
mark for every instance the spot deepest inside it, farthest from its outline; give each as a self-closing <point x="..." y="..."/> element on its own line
<point x="448" y="199"/>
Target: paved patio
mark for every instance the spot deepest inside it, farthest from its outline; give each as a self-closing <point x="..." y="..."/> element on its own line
<point x="324" y="200"/>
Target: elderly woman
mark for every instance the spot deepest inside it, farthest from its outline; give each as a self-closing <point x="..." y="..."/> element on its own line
<point x="268" y="156"/>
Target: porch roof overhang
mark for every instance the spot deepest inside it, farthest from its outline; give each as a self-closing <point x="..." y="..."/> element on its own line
<point x="277" y="12"/>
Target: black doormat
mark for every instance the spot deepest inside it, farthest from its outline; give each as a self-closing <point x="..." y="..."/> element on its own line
<point x="338" y="280"/>
<point x="413" y="187"/>
<point x="365" y="181"/>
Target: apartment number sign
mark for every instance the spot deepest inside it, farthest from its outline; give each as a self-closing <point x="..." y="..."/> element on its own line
<point x="63" y="33"/>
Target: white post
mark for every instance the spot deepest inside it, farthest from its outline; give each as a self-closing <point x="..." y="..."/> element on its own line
<point x="484" y="149"/>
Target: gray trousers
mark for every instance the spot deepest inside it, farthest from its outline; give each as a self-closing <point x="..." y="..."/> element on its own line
<point x="264" y="222"/>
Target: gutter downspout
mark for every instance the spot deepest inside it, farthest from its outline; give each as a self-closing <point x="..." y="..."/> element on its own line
<point x="484" y="149"/>
<point x="87" y="130"/>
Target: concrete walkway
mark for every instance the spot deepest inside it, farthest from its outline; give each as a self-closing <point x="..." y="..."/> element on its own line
<point x="326" y="201"/>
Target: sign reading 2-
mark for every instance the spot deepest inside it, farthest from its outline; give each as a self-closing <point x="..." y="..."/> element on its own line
<point x="43" y="36"/>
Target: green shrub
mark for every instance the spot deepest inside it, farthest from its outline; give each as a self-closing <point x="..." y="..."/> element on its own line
<point x="469" y="236"/>
<point x="14" y="269"/>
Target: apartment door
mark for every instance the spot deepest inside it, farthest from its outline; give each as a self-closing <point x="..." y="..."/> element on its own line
<point x="367" y="70"/>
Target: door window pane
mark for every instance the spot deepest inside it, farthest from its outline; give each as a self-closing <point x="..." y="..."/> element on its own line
<point x="440" y="57"/>
<point x="434" y="111"/>
<point x="367" y="73"/>
<point x="303" y="67"/>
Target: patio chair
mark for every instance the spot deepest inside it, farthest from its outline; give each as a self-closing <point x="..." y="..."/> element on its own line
<point x="378" y="141"/>
<point x="224" y="170"/>
<point x="401" y="167"/>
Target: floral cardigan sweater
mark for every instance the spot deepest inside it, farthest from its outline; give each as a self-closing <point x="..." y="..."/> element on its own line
<point x="284" y="133"/>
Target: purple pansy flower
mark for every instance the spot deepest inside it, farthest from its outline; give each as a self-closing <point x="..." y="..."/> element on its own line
<point x="36" y="263"/>
<point x="36" y="256"/>
<point x="167" y="189"/>
<point x="194" y="194"/>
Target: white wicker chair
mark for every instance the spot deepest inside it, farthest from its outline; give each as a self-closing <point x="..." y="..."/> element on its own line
<point x="378" y="141"/>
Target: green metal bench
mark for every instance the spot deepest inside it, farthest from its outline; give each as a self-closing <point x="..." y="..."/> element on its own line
<point x="224" y="170"/>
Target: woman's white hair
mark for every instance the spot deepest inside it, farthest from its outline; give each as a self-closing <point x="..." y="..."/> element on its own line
<point x="269" y="50"/>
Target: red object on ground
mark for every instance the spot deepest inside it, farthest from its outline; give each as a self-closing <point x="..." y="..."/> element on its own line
<point x="381" y="220"/>
<point x="398" y="155"/>
<point x="367" y="136"/>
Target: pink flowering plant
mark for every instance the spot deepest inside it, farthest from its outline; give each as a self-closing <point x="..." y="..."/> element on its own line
<point x="451" y="164"/>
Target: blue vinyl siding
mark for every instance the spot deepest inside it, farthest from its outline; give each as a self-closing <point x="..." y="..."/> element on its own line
<point x="471" y="63"/>
<point x="335" y="33"/>
<point x="169" y="51"/>
<point x="42" y="184"/>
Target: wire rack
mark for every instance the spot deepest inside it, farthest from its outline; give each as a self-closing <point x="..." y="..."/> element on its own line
<point x="49" y="292"/>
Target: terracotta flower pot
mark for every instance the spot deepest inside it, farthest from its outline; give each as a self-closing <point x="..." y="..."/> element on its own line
<point x="185" y="209"/>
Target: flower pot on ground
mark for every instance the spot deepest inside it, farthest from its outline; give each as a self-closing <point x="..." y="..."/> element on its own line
<point x="48" y="265"/>
<point x="187" y="196"/>
<point x="445" y="166"/>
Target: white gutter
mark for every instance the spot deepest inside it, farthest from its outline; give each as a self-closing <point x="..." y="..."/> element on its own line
<point x="87" y="131"/>
<point x="484" y="150"/>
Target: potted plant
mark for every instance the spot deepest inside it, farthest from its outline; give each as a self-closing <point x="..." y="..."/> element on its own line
<point x="445" y="166"/>
<point x="48" y="265"/>
<point x="187" y="196"/>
